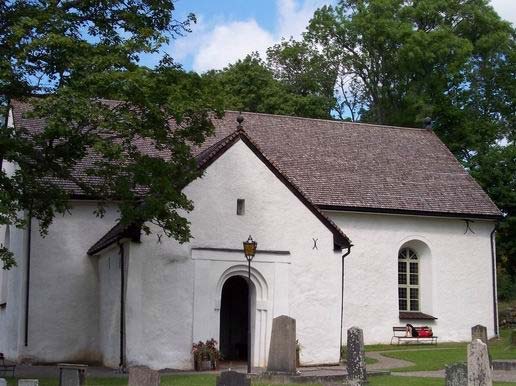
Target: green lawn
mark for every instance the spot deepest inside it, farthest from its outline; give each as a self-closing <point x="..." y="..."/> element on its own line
<point x="425" y="357"/>
<point x="166" y="380"/>
<point x="370" y="361"/>
<point x="413" y="381"/>
<point x="435" y="357"/>
<point x="209" y="380"/>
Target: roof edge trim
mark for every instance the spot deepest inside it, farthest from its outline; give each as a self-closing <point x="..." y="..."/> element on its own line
<point x="409" y="212"/>
<point x="340" y="240"/>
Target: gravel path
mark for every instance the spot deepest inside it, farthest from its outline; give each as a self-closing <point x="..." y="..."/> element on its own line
<point x="385" y="363"/>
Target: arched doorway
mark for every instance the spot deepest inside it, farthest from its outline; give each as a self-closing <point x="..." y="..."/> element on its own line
<point x="234" y="318"/>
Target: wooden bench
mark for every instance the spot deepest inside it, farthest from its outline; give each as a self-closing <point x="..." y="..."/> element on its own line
<point x="399" y="335"/>
<point x="5" y="368"/>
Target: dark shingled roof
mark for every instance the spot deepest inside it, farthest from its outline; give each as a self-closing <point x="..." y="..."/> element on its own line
<point x="206" y="158"/>
<point x="352" y="166"/>
<point x="115" y="234"/>
<point x="411" y="315"/>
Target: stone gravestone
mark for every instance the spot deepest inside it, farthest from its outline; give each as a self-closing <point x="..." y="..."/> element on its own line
<point x="356" y="365"/>
<point x="479" y="332"/>
<point x="232" y="378"/>
<point x="143" y="376"/>
<point x="479" y="370"/>
<point x="457" y="374"/>
<point x="69" y="377"/>
<point x="28" y="382"/>
<point x="72" y="374"/>
<point x="282" y="351"/>
<point x="3" y="382"/>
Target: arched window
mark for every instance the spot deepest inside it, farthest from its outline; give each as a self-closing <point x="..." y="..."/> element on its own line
<point x="408" y="280"/>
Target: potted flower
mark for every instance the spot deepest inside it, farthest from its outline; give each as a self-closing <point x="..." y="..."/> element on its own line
<point x="214" y="353"/>
<point x="206" y="355"/>
<point x="200" y="354"/>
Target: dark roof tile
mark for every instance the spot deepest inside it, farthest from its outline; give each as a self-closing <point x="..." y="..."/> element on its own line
<point x="348" y="166"/>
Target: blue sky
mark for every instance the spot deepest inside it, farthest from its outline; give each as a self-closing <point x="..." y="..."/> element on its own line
<point x="227" y="30"/>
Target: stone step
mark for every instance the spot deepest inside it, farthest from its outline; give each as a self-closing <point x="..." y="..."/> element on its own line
<point x="507" y="365"/>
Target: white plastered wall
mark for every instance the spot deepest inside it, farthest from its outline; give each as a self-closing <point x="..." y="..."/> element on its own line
<point x="173" y="291"/>
<point x="12" y="313"/>
<point x="109" y="276"/>
<point x="63" y="306"/>
<point x="63" y="297"/>
<point x="455" y="273"/>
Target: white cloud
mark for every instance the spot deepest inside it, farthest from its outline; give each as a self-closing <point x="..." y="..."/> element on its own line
<point x="294" y="17"/>
<point x="506" y="9"/>
<point x="229" y="42"/>
<point x="189" y="44"/>
<point x="215" y="45"/>
<point x="219" y="44"/>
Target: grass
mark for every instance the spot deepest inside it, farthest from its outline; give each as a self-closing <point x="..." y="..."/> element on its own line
<point x="435" y="357"/>
<point x="393" y="380"/>
<point x="424" y="357"/>
<point x="370" y="361"/>
<point x="166" y="380"/>
<point x="209" y="380"/>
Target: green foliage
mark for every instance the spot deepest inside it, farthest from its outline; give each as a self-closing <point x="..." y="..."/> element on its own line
<point x="506" y="286"/>
<point x="495" y="170"/>
<point x="304" y="71"/>
<point x="397" y="62"/>
<point x="78" y="53"/>
<point x="250" y="85"/>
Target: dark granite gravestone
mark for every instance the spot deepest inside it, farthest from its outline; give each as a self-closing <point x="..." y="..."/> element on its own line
<point x="356" y="365"/>
<point x="479" y="370"/>
<point x="232" y="378"/>
<point x="457" y="374"/>
<point x="479" y="332"/>
<point x="143" y="376"/>
<point x="282" y="351"/>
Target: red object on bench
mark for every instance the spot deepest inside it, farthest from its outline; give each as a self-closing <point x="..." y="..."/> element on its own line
<point x="399" y="334"/>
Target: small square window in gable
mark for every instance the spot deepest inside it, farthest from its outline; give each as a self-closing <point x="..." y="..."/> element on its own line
<point x="240" y="207"/>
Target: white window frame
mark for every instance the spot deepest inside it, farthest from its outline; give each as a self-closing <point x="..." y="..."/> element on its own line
<point x="408" y="256"/>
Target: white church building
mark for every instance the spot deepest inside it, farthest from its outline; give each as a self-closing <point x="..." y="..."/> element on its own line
<point x="356" y="225"/>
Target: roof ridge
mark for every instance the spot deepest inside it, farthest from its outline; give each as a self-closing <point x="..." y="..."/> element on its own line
<point x="283" y="116"/>
<point x="331" y="121"/>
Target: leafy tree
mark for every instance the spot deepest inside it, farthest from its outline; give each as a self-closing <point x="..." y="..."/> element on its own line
<point x="495" y="170"/>
<point x="79" y="52"/>
<point x="304" y="71"/>
<point x="250" y="85"/>
<point x="451" y="60"/>
<point x="398" y="61"/>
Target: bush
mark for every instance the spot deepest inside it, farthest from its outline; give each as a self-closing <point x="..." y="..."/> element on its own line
<point x="506" y="285"/>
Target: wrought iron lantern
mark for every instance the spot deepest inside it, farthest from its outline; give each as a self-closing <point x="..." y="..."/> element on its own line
<point x="250" y="248"/>
<point x="249" y="252"/>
